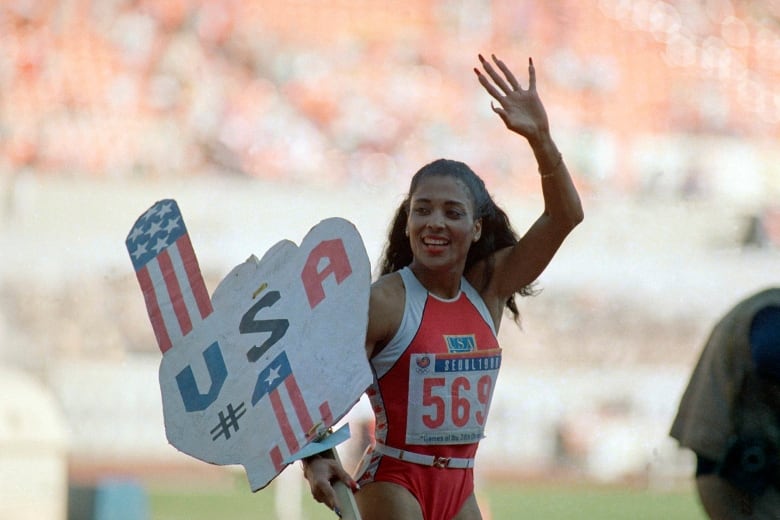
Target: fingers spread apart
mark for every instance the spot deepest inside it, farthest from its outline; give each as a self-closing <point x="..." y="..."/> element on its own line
<point x="508" y="82"/>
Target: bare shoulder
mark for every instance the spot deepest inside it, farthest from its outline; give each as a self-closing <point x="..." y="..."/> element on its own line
<point x="388" y="285"/>
<point x="385" y="310"/>
<point x="492" y="291"/>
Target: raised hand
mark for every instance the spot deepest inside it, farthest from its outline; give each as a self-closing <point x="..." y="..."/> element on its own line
<point x="521" y="109"/>
<point x="323" y="474"/>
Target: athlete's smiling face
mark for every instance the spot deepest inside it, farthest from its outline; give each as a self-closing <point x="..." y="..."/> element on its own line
<point x="441" y="223"/>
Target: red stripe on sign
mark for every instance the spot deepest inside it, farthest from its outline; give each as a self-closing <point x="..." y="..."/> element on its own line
<point x="276" y="458"/>
<point x="194" y="275"/>
<point x="284" y="423"/>
<point x="300" y="406"/>
<point x="326" y="414"/>
<point x="174" y="292"/>
<point x="153" y="309"/>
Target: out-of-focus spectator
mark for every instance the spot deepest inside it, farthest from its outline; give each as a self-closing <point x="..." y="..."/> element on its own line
<point x="729" y="415"/>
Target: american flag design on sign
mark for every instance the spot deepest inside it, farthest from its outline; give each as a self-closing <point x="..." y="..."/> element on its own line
<point x="277" y="382"/>
<point x="168" y="272"/>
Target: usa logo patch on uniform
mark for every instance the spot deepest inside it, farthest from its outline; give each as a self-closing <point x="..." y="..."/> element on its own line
<point x="460" y="344"/>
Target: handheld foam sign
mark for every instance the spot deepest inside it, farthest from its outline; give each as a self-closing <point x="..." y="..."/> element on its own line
<point x="273" y="359"/>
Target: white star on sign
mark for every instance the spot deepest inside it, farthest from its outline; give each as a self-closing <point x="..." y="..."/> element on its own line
<point x="272" y="376"/>
<point x="139" y="251"/>
<point x="160" y="244"/>
<point x="135" y="234"/>
<point x="154" y="228"/>
<point x="172" y="224"/>
<point x="165" y="209"/>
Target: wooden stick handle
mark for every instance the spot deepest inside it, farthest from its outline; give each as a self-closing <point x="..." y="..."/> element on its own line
<point x="349" y="510"/>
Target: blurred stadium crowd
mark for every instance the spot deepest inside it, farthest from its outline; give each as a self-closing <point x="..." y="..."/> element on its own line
<point x="339" y="92"/>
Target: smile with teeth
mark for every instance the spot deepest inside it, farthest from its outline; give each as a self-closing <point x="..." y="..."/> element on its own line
<point x="432" y="241"/>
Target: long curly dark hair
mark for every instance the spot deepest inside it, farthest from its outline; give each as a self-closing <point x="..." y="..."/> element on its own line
<point x="497" y="231"/>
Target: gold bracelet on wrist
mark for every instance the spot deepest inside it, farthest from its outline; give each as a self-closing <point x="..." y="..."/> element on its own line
<point x="552" y="170"/>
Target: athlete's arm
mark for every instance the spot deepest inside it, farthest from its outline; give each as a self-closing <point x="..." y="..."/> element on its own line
<point x="385" y="310"/>
<point x="523" y="113"/>
<point x="321" y="472"/>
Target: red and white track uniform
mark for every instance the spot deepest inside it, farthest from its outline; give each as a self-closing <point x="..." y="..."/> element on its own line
<point x="433" y="383"/>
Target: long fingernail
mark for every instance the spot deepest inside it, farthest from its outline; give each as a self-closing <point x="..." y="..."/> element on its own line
<point x="481" y="58"/>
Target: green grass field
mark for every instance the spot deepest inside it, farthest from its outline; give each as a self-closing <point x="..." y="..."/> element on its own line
<point x="498" y="500"/>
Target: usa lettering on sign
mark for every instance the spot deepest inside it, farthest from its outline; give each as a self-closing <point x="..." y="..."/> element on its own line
<point x="273" y="359"/>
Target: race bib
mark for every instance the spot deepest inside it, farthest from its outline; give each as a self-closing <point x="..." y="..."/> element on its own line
<point x="449" y="396"/>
